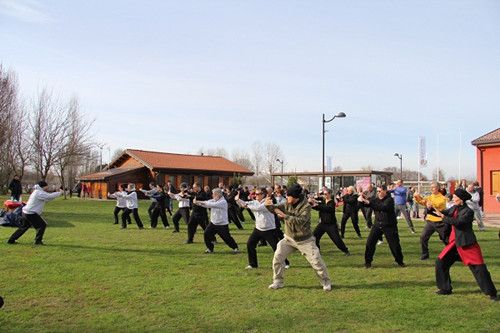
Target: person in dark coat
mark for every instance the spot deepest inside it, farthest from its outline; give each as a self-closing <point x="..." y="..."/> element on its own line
<point x="15" y="188"/>
<point x="462" y="246"/>
<point x="328" y="221"/>
<point x="385" y="223"/>
<point x="351" y="208"/>
<point x="159" y="209"/>
<point x="199" y="215"/>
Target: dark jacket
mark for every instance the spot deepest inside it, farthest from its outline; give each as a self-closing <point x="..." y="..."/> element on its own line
<point x="351" y="204"/>
<point x="200" y="196"/>
<point x="385" y="215"/>
<point x="326" y="212"/>
<point x="464" y="235"/>
<point x="15" y="187"/>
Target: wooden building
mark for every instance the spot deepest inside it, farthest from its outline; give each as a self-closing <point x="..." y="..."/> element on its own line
<point x="488" y="168"/>
<point x="141" y="167"/>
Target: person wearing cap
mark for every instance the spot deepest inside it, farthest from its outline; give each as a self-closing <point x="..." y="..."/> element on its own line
<point x="385" y="224"/>
<point x="296" y="213"/>
<point x="184" y="204"/>
<point x="32" y="212"/>
<point x="265" y="226"/>
<point x="218" y="221"/>
<point x="328" y="221"/>
<point x="463" y="247"/>
<point x="433" y="223"/>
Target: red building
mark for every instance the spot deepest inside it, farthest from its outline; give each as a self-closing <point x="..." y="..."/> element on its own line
<point x="141" y="167"/>
<point x="488" y="168"/>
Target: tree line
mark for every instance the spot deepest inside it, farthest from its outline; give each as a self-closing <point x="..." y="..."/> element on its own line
<point x="45" y="135"/>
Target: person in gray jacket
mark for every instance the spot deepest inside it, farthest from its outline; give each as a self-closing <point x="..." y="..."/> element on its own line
<point x="32" y="212"/>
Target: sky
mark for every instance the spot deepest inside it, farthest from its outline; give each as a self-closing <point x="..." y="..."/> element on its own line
<point x="176" y="76"/>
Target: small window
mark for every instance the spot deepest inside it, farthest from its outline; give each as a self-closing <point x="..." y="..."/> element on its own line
<point x="495" y="182"/>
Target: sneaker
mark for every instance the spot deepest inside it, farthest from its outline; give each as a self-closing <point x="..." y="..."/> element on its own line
<point x="412" y="231"/>
<point x="12" y="242"/>
<point x="175" y="231"/>
<point x="327" y="287"/>
<point x="401" y="264"/>
<point x="39" y="243"/>
<point x="167" y="227"/>
<point x="287" y="266"/>
<point x="208" y="251"/>
<point x="368" y="265"/>
<point x="249" y="267"/>
<point x="424" y="257"/>
<point x="494" y="298"/>
<point x="276" y="285"/>
<point x="380" y="242"/>
<point x="347" y="254"/>
<point x="236" y="251"/>
<point x="187" y="241"/>
<point x="443" y="292"/>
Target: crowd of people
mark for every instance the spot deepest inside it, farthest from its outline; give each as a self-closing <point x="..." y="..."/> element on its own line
<point x="451" y="216"/>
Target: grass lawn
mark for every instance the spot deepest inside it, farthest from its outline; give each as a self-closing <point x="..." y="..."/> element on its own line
<point x="91" y="276"/>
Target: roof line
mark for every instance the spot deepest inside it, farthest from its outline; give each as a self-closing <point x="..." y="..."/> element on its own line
<point x="162" y="152"/>
<point x="139" y="159"/>
<point x="474" y="142"/>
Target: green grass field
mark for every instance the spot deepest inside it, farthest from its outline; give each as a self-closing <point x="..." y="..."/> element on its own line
<point x="91" y="276"/>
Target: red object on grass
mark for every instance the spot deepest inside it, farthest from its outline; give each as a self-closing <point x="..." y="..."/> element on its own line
<point x="10" y="204"/>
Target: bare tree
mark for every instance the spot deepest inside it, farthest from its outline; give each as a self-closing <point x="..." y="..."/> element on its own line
<point x="48" y="132"/>
<point x="117" y="153"/>
<point x="218" y="151"/>
<point x="242" y="158"/>
<point x="272" y="153"/>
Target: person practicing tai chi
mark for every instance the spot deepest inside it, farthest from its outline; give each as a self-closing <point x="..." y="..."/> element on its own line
<point x="132" y="206"/>
<point x="433" y="223"/>
<point x="265" y="226"/>
<point x="159" y="210"/>
<point x="385" y="223"/>
<point x="463" y="247"/>
<point x="198" y="215"/>
<point x="121" y="202"/>
<point x="184" y="204"/>
<point x="296" y="213"/>
<point x="218" y="221"/>
<point x="400" y="196"/>
<point x="328" y="221"/>
<point x="32" y="212"/>
<point x="154" y="203"/>
<point x="350" y="210"/>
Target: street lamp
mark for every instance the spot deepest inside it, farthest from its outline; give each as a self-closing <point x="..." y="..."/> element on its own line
<point x="280" y="161"/>
<point x="400" y="156"/>
<point x="338" y="115"/>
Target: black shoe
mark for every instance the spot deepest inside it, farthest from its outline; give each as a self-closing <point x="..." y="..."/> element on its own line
<point x="175" y="231"/>
<point x="424" y="257"/>
<point x="12" y="242"/>
<point x="39" y="243"/>
<point x="401" y="264"/>
<point x="188" y="241"/>
<point x="115" y="223"/>
<point x="443" y="292"/>
<point x="494" y="298"/>
<point x="368" y="265"/>
<point x="347" y="254"/>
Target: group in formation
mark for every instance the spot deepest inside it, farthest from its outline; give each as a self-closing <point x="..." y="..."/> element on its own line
<point x="214" y="209"/>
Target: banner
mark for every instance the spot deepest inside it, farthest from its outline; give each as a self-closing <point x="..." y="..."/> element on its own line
<point x="421" y="152"/>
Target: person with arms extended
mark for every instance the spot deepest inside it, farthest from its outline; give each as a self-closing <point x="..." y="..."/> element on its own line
<point x="350" y="210"/>
<point x="32" y="212"/>
<point x="385" y="223"/>
<point x="296" y="213"/>
<point x="463" y="247"/>
<point x="400" y="196"/>
<point x="121" y="202"/>
<point x="328" y="221"/>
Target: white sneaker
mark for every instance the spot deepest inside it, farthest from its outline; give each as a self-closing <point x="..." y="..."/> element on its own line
<point x="276" y="285"/>
<point x="207" y="251"/>
<point x="167" y="227"/>
<point x="327" y="287"/>
<point x="380" y="242"/>
<point x="236" y="251"/>
<point x="287" y="266"/>
<point x="249" y="267"/>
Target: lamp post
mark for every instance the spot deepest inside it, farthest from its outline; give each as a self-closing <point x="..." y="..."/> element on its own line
<point x="281" y="162"/>
<point x="338" y="115"/>
<point x="400" y="156"/>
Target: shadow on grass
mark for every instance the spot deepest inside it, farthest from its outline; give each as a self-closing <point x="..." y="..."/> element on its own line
<point x="163" y="251"/>
<point x="393" y="285"/>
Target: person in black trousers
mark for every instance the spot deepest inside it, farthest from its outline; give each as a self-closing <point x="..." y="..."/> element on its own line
<point x="198" y="215"/>
<point x="32" y="212"/>
<point x="15" y="188"/>
<point x="351" y="208"/>
<point x="233" y="208"/>
<point x="328" y="221"/>
<point x="121" y="203"/>
<point x="132" y="207"/>
<point x="367" y="211"/>
<point x="385" y="223"/>
<point x="184" y="200"/>
<point x="154" y="203"/>
<point x="463" y="247"/>
<point x="160" y="208"/>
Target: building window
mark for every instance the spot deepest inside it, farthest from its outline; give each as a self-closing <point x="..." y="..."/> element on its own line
<point x="495" y="182"/>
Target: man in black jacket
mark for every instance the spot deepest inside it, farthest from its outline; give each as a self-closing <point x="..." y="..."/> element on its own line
<point x="198" y="215"/>
<point x="351" y="208"/>
<point x="16" y="188"/>
<point x="385" y="223"/>
<point x="328" y="221"/>
<point x="463" y="247"/>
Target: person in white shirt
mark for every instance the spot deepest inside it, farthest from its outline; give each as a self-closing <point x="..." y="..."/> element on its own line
<point x="121" y="202"/>
<point x="32" y="212"/>
<point x="184" y="204"/>
<point x="473" y="204"/>
<point x="265" y="226"/>
<point x="132" y="206"/>
<point x="218" y="221"/>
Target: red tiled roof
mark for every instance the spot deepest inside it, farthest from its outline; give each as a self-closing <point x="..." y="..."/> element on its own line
<point x="160" y="160"/>
<point x="102" y="175"/>
<point x="491" y="137"/>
